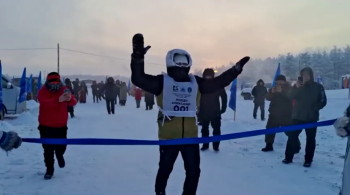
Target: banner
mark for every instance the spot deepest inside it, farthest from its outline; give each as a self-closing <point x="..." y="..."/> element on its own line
<point x="278" y="72"/>
<point x="233" y="96"/>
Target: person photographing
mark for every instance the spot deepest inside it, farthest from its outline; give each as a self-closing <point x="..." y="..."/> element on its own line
<point x="310" y="98"/>
<point x="280" y="109"/>
<point x="54" y="99"/>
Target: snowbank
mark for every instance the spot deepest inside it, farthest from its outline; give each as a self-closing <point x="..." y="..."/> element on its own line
<point x="5" y="126"/>
<point x="26" y="118"/>
<point x="31" y="104"/>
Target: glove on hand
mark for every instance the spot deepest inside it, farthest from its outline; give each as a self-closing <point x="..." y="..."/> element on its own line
<point x="10" y="140"/>
<point x="342" y="126"/>
<point x="240" y="64"/>
<point x="138" y="49"/>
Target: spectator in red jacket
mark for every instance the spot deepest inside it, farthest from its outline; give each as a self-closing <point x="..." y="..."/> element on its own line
<point x="138" y="96"/>
<point x="54" y="99"/>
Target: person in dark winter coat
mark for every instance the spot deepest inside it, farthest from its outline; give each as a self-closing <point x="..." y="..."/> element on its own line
<point x="149" y="100"/>
<point x="76" y="88"/>
<point x="259" y="93"/>
<point x="310" y="98"/>
<point x="177" y="93"/>
<point x="83" y="93"/>
<point x="280" y="109"/>
<point x="53" y="103"/>
<point x="110" y="90"/>
<point x="210" y="111"/>
<point x="68" y="84"/>
<point x="95" y="91"/>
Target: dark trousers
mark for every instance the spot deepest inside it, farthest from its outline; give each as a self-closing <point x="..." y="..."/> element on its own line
<point x="274" y="122"/>
<point x="191" y="157"/>
<point x="122" y="102"/>
<point x="293" y="143"/>
<point x="149" y="106"/>
<point x="216" y="125"/>
<point x="138" y="103"/>
<point x="49" y="149"/>
<point x="71" y="110"/>
<point x="95" y="97"/>
<point x="262" y="109"/>
<point x="110" y="106"/>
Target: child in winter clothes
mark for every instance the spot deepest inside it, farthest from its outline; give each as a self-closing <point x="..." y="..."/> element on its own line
<point x="138" y="96"/>
<point x="342" y="127"/>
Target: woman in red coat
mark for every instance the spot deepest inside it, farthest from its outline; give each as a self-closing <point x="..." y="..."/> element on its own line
<point x="138" y="96"/>
<point x="83" y="93"/>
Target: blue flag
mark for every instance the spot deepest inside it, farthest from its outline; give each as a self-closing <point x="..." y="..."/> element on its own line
<point x="23" y="86"/>
<point x="29" y="84"/>
<point x="278" y="72"/>
<point x="129" y="86"/>
<point x="38" y="87"/>
<point x="1" y="102"/>
<point x="233" y="96"/>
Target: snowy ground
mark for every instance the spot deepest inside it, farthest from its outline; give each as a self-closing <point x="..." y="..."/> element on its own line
<point x="240" y="168"/>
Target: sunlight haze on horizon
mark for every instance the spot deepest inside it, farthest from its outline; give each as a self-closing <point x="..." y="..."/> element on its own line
<point x="214" y="32"/>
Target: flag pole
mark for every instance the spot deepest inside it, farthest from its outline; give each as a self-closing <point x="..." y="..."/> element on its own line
<point x="234" y="115"/>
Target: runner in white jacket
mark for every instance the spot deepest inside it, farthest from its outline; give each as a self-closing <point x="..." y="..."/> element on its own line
<point x="9" y="140"/>
<point x="342" y="127"/>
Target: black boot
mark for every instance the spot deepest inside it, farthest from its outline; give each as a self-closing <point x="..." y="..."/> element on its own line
<point x="287" y="161"/>
<point x="205" y="147"/>
<point x="60" y="160"/>
<point x="160" y="193"/>
<point x="307" y="163"/>
<point x="49" y="173"/>
<point x="216" y="146"/>
<point x="268" y="148"/>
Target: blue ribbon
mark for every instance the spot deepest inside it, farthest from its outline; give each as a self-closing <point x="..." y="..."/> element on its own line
<point x="95" y="141"/>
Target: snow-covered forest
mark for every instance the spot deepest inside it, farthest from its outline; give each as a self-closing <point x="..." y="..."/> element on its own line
<point x="330" y="65"/>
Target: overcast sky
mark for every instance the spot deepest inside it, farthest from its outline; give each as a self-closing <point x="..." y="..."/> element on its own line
<point x="215" y="32"/>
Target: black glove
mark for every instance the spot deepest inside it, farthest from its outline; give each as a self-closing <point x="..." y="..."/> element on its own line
<point x="239" y="65"/>
<point x="223" y="110"/>
<point x="138" y="49"/>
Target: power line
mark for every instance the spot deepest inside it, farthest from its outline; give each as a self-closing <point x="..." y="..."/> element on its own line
<point x="18" y="49"/>
<point x="75" y="51"/>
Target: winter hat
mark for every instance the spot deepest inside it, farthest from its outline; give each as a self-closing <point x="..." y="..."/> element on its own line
<point x="281" y="78"/>
<point x="308" y="70"/>
<point x="208" y="72"/>
<point x="179" y="58"/>
<point x="53" y="82"/>
<point x="53" y="77"/>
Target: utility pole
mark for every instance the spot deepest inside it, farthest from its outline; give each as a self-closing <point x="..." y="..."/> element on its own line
<point x="58" y="58"/>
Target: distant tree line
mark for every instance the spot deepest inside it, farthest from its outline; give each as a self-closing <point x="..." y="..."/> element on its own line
<point x="330" y="66"/>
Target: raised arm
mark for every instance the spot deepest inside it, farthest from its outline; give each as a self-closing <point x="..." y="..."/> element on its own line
<point x="208" y="86"/>
<point x="150" y="83"/>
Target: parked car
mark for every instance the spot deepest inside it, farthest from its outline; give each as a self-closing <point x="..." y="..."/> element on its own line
<point x="246" y="92"/>
<point x="10" y="94"/>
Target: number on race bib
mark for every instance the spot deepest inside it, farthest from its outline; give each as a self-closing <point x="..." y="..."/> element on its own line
<point x="180" y="108"/>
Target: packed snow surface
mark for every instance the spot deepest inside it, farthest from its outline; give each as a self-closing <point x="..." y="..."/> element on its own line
<point x="240" y="168"/>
